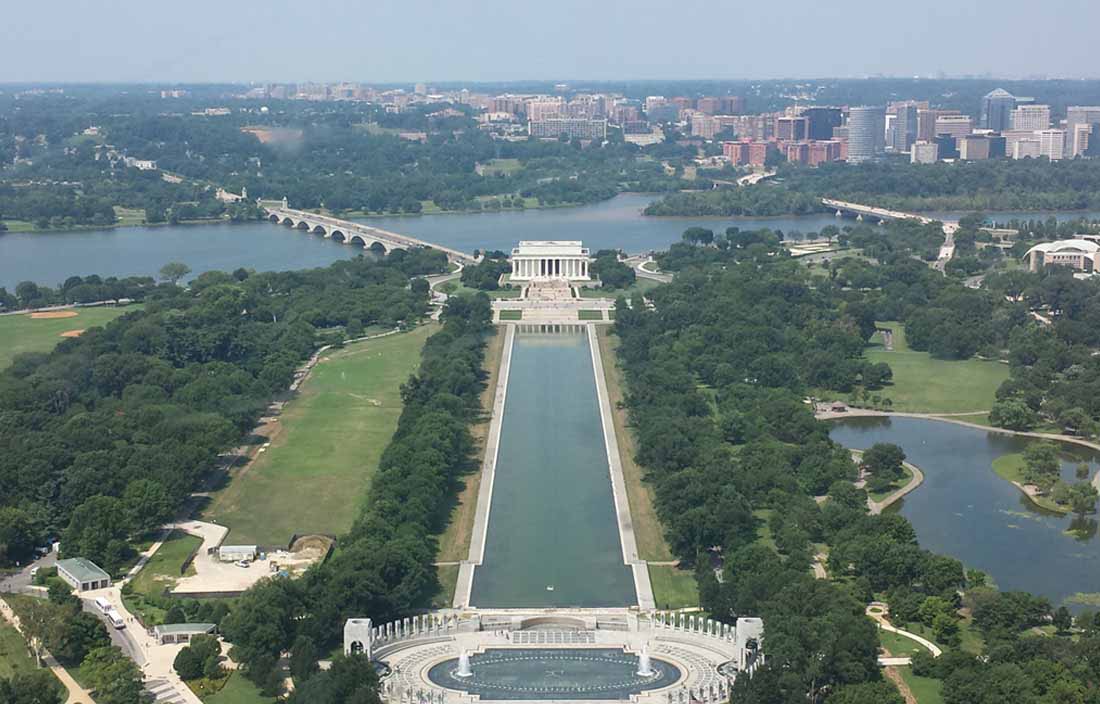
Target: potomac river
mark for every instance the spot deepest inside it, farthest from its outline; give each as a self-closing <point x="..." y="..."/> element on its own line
<point x="50" y="258"/>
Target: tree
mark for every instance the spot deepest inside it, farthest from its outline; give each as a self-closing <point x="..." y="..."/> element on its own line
<point x="1082" y="498"/>
<point x="1062" y="620"/>
<point x="98" y="531"/>
<point x="867" y="693"/>
<point x="303" y="659"/>
<point x="1041" y="463"/>
<point x="172" y="272"/>
<point x="17" y="536"/>
<point x="35" y="687"/>
<point x="115" y="677"/>
<point x="1013" y="414"/>
<point x="187" y="664"/>
<point x="884" y="460"/>
<point x="147" y="503"/>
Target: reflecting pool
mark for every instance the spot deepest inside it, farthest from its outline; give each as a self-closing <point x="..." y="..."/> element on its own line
<point x="553" y="537"/>
<point x="569" y="673"/>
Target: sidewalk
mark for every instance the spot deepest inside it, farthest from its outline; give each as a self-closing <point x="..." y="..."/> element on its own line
<point x="77" y="694"/>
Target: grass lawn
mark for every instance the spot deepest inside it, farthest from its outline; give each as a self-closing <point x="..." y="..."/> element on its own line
<point x="648" y="531"/>
<point x="673" y="588"/>
<point x="160" y="573"/>
<point x="454" y="543"/>
<point x="500" y="166"/>
<point x="22" y="333"/>
<point x="129" y="216"/>
<point x="448" y="580"/>
<point x="456" y="288"/>
<point x="19" y="225"/>
<point x="894" y="486"/>
<point x="314" y="476"/>
<point x="764" y="531"/>
<point x="238" y="690"/>
<point x="640" y="286"/>
<point x="586" y="314"/>
<point x="1010" y="467"/>
<point x="925" y="385"/>
<point x="14" y="656"/>
<point x="926" y="690"/>
<point x="971" y="640"/>
<point x="898" y="645"/>
<point x="511" y="315"/>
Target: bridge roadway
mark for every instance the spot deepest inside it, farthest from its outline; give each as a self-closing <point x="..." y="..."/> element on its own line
<point x="349" y="231"/>
<point x="950" y="227"/>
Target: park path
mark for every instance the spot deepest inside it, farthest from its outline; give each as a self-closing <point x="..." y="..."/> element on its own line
<point x="877" y="507"/>
<point x="77" y="694"/>
<point x="878" y="612"/>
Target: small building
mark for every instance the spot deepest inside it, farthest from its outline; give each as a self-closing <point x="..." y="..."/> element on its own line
<point x="234" y="553"/>
<point x="545" y="260"/>
<point x="169" y="633"/>
<point x="82" y="575"/>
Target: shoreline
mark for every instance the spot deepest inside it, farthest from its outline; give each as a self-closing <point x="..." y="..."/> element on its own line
<point x="862" y="413"/>
<point x="122" y="226"/>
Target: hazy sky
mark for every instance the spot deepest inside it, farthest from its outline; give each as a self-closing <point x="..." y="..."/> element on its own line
<point x="492" y="40"/>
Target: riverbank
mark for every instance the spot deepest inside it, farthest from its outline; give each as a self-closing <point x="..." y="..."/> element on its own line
<point x="121" y="224"/>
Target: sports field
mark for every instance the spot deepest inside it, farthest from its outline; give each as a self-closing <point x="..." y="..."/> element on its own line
<point x="40" y="332"/>
<point x="314" y="475"/>
<point x="926" y="385"/>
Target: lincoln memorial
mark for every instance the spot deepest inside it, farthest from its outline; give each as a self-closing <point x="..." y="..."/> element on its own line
<point x="544" y="260"/>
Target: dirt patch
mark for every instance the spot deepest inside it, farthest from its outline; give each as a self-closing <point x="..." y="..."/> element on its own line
<point x="73" y="333"/>
<point x="312" y="546"/>
<point x="51" y="314"/>
<point x="894" y="676"/>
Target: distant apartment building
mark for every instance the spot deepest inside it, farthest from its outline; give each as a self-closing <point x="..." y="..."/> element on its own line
<point x="708" y="105"/>
<point x="997" y="107"/>
<point x="1077" y="138"/>
<point x="541" y="109"/>
<point x="1031" y="117"/>
<point x="926" y="124"/>
<point x="703" y="125"/>
<point x="792" y="129"/>
<point x="924" y="153"/>
<point x="1052" y="144"/>
<point x="513" y="104"/>
<point x="683" y="103"/>
<point x="731" y="105"/>
<point x="866" y="134"/>
<point x="736" y="152"/>
<point x="954" y="125"/>
<point x="759" y="152"/>
<point x="571" y="127"/>
<point x="1026" y="149"/>
<point x="822" y="151"/>
<point x="798" y="152"/>
<point x="663" y="113"/>
<point x="974" y="147"/>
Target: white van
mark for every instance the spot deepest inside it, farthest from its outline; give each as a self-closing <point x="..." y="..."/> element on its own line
<point x="103" y="605"/>
<point x="116" y="619"/>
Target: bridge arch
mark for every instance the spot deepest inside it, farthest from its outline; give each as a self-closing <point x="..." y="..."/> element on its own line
<point x="337" y="235"/>
<point x="274" y="217"/>
<point x="288" y="221"/>
<point x="318" y="230"/>
<point x="302" y="225"/>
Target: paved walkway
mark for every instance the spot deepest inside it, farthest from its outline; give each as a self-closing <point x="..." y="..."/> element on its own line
<point x="464" y="587"/>
<point x="878" y="611"/>
<point x="642" y="586"/>
<point x="77" y="694"/>
<point x="877" y="507"/>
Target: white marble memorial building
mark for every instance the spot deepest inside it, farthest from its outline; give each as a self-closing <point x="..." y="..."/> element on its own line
<point x="545" y="260"/>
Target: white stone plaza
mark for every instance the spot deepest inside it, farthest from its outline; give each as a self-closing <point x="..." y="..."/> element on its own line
<point x="545" y="260"/>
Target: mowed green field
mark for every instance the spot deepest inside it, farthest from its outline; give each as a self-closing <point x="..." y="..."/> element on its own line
<point x="314" y="476"/>
<point x="926" y="385"/>
<point x="22" y="333"/>
<point x="14" y="656"/>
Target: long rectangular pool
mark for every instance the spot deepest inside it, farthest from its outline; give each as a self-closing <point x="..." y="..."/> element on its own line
<point x="553" y="538"/>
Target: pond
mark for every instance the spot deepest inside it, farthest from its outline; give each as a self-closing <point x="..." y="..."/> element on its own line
<point x="965" y="510"/>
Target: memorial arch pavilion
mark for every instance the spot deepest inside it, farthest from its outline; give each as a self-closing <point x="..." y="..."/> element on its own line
<point x="547" y="260"/>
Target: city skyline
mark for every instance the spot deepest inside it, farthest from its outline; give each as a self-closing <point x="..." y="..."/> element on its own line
<point x="411" y="41"/>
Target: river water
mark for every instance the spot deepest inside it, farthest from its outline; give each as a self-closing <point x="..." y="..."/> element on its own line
<point x="553" y="538"/>
<point x="618" y="223"/>
<point x="965" y="510"/>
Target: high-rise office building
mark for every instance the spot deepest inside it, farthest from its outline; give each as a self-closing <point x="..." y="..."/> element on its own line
<point x="954" y="125"/>
<point x="905" y="125"/>
<point x="1080" y="139"/>
<point x="1052" y="144"/>
<point x="997" y="107"/>
<point x="731" y="105"/>
<point x="924" y="153"/>
<point x="822" y="120"/>
<point x="1031" y="117"/>
<point x="866" y="133"/>
<point x="791" y="129"/>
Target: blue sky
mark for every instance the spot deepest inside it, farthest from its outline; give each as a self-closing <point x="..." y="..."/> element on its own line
<point x="495" y="40"/>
